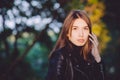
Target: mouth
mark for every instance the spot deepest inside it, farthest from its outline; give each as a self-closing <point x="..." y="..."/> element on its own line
<point x="81" y="40"/>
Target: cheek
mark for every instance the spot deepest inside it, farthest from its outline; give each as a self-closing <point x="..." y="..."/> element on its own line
<point x="87" y="34"/>
<point x="73" y="33"/>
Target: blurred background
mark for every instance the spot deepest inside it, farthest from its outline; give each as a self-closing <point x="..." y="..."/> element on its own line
<point x="29" y="30"/>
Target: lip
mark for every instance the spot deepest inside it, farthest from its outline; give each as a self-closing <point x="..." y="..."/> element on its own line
<point x="81" y="40"/>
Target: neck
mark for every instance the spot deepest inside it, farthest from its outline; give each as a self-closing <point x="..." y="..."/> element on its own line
<point x="73" y="47"/>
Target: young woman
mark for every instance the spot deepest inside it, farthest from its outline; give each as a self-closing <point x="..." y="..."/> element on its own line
<point x="76" y="55"/>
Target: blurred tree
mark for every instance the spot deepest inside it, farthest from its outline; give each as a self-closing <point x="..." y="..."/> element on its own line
<point x="5" y="6"/>
<point x="25" y="24"/>
<point x="96" y="10"/>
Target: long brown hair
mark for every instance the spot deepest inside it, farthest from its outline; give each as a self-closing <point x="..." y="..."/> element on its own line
<point x="67" y="26"/>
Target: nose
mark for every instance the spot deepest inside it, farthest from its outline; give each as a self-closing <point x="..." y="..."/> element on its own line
<point x="81" y="33"/>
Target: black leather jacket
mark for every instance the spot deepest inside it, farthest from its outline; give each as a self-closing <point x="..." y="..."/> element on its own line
<point x="65" y="64"/>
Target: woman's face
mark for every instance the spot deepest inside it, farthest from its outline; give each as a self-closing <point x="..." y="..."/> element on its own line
<point x="79" y="33"/>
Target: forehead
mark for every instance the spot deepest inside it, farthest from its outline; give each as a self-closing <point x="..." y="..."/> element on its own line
<point x="79" y="22"/>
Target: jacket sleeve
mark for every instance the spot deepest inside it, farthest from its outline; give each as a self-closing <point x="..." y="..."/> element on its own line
<point x="56" y="67"/>
<point x="99" y="70"/>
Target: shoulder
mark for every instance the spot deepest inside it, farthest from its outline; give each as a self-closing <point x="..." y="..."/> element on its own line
<point x="57" y="57"/>
<point x="59" y="53"/>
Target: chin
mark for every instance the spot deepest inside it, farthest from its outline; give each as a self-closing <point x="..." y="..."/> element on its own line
<point x="80" y="44"/>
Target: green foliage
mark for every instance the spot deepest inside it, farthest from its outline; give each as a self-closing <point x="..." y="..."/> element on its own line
<point x="38" y="59"/>
<point x="74" y="4"/>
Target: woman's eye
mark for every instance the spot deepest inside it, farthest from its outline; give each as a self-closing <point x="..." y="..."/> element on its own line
<point x="74" y="28"/>
<point x="86" y="28"/>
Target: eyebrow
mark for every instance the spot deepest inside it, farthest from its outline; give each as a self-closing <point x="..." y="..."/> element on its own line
<point x="77" y="26"/>
<point x="74" y="26"/>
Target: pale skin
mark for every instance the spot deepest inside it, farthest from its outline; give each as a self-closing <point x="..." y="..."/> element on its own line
<point x="80" y="34"/>
<point x="95" y="51"/>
